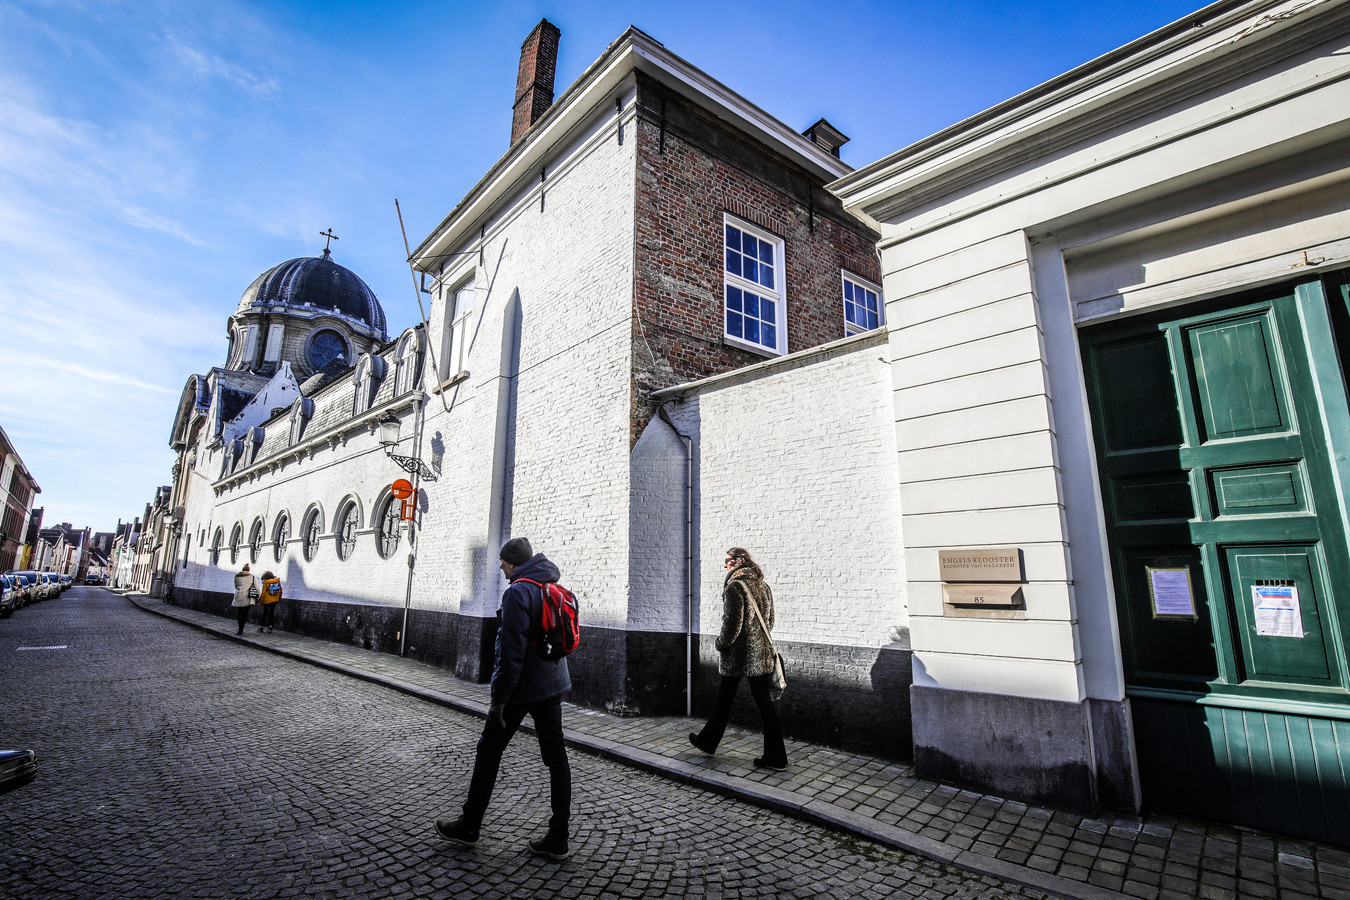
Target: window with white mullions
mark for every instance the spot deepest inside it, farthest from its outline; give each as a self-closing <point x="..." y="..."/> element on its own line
<point x="455" y="351"/>
<point x="862" y="305"/>
<point x="386" y="540"/>
<point x="236" y="536"/>
<point x="753" y="274"/>
<point x="215" y="546"/>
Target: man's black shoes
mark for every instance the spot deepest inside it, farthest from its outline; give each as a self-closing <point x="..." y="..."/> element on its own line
<point x="550" y="846"/>
<point x="457" y="833"/>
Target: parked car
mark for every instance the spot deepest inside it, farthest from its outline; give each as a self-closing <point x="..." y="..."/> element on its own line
<point x="32" y="591"/>
<point x="17" y="768"/>
<point x="93" y="579"/>
<point x="10" y="598"/>
<point x="66" y="582"/>
<point x="23" y="586"/>
<point x="39" y="588"/>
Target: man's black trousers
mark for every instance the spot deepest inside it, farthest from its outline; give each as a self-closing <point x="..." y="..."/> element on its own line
<point x="547" y="716"/>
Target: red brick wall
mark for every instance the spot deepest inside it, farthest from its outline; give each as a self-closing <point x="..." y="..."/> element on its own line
<point x="690" y="173"/>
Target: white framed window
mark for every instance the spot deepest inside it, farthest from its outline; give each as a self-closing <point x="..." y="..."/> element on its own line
<point x="369" y="373"/>
<point x="301" y="412"/>
<point x="755" y="314"/>
<point x="215" y="546"/>
<point x="458" y="312"/>
<point x="236" y="536"/>
<point x="255" y="540"/>
<point x="862" y="305"/>
<point x="408" y="367"/>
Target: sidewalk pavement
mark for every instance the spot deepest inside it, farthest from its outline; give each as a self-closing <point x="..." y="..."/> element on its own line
<point x="1062" y="853"/>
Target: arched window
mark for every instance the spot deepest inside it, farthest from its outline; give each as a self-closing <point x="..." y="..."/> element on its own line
<point x="370" y="371"/>
<point x="301" y="411"/>
<point x="187" y="548"/>
<point x="409" y="371"/>
<point x="312" y="531"/>
<point x="255" y="441"/>
<point x="386" y="538"/>
<point x="236" y="536"/>
<point x="346" y="531"/>
<point x="216" y="541"/>
<point x="281" y="533"/>
<point x="255" y="539"/>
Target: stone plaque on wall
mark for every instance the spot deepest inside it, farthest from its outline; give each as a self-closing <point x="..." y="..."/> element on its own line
<point x="1000" y="564"/>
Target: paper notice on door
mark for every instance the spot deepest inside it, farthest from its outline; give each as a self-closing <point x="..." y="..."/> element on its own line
<point x="1277" y="610"/>
<point x="1171" y="592"/>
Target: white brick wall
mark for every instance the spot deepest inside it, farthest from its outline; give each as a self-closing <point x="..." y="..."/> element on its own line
<point x="796" y="463"/>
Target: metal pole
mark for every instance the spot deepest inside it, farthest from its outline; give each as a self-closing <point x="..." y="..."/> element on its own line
<point x="412" y="525"/>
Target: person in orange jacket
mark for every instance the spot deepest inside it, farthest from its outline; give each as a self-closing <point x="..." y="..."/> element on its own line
<point x="271" y="596"/>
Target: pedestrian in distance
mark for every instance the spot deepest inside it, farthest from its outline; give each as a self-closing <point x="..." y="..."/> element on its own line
<point x="245" y="595"/>
<point x="746" y="651"/>
<point x="271" y="596"/>
<point x="523" y="683"/>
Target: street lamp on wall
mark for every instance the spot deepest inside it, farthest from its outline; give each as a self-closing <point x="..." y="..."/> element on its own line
<point x="389" y="429"/>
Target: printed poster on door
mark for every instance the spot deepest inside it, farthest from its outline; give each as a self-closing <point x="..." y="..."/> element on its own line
<point x="1277" y="613"/>
<point x="1170" y="592"/>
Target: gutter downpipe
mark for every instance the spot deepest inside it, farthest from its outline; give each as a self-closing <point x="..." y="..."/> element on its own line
<point x="688" y="556"/>
<point x="418" y="416"/>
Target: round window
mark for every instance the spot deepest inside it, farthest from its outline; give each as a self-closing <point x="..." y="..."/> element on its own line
<point x="326" y="346"/>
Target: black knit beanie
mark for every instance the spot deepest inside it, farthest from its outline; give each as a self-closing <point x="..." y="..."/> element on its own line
<point x="516" y="551"/>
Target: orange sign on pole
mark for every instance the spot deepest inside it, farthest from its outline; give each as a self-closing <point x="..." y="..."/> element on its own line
<point x="402" y="489"/>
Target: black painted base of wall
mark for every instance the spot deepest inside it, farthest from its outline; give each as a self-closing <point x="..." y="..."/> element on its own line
<point x="854" y="698"/>
<point x="1053" y="752"/>
<point x="848" y="697"/>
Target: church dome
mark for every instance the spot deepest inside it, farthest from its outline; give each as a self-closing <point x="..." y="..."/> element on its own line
<point x="319" y="283"/>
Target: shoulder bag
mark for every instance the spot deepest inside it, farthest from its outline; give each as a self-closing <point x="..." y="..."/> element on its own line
<point x="778" y="681"/>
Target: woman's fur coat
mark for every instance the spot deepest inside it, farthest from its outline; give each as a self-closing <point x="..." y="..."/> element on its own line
<point x="744" y="646"/>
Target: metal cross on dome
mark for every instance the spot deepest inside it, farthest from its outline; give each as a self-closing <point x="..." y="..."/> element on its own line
<point x="330" y="238"/>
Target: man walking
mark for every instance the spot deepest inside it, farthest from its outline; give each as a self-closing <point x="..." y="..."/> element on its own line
<point x="523" y="683"/>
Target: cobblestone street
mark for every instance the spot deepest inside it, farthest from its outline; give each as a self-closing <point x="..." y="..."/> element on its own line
<point x="173" y="763"/>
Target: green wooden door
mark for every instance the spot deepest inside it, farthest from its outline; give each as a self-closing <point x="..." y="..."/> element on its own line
<point x="1224" y="518"/>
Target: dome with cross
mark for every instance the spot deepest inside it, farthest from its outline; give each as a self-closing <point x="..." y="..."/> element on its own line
<point x="315" y="283"/>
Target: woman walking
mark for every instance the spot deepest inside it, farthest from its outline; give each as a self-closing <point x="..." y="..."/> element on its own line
<point x="746" y="650"/>
<point x="271" y="596"/>
<point x="245" y="593"/>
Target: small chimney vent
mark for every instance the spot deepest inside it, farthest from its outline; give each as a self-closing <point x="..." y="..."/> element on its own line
<point x="826" y="136"/>
<point x="534" y="82"/>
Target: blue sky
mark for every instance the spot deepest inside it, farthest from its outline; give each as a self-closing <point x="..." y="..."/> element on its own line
<point x="155" y="157"/>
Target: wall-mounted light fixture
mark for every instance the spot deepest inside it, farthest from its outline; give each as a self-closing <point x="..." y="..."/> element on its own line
<point x="389" y="428"/>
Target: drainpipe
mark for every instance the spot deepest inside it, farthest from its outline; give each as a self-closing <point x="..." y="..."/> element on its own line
<point x="418" y="409"/>
<point x="688" y="559"/>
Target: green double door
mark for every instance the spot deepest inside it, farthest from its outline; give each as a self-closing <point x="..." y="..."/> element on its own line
<point x="1222" y="436"/>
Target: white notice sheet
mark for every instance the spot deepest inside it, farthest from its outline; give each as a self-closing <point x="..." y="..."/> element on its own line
<point x="1171" y="590"/>
<point x="1277" y="610"/>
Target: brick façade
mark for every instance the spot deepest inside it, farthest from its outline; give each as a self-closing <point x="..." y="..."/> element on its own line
<point x="691" y="171"/>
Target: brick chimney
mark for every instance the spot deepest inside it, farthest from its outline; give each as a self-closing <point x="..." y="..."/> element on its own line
<point x="534" y="83"/>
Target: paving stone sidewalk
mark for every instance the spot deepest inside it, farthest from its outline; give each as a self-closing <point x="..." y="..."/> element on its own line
<point x="1154" y="856"/>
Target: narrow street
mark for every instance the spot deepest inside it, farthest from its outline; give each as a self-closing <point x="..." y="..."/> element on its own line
<point x="173" y="763"/>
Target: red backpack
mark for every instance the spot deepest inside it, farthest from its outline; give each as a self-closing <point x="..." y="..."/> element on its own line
<point x="559" y="626"/>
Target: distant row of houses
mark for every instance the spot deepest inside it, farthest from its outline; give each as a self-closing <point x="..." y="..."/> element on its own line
<point x="25" y="544"/>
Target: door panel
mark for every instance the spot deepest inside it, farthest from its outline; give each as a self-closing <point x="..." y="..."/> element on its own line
<point x="1216" y="473"/>
<point x="1268" y="656"/>
<point x="1240" y="388"/>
